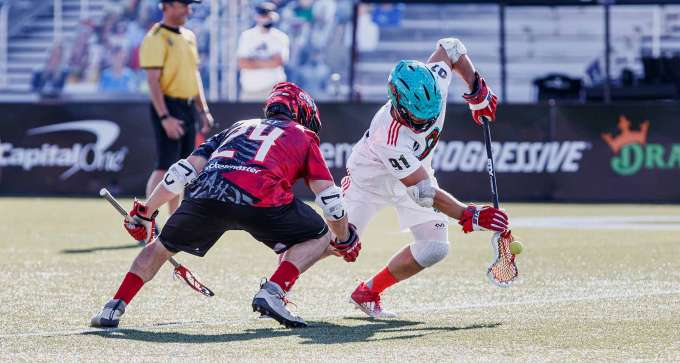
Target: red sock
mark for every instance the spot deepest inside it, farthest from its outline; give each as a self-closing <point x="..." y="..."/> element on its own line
<point x="382" y="280"/>
<point x="129" y="287"/>
<point x="285" y="275"/>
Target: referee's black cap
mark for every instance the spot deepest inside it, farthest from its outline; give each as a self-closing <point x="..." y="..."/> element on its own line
<point x="182" y="1"/>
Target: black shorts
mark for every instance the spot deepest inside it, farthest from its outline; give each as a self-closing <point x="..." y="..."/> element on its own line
<point x="199" y="223"/>
<point x="167" y="149"/>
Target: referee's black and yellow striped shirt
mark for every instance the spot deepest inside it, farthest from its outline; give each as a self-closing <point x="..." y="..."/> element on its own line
<point x="174" y="51"/>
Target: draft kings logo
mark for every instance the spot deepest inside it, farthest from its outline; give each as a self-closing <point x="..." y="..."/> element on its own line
<point x="633" y="153"/>
<point x="77" y="157"/>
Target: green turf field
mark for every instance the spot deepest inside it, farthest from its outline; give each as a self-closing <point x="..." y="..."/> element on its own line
<point x="586" y="293"/>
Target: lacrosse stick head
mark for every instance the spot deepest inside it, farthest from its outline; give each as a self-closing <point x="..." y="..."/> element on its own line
<point x="503" y="271"/>
<point x="183" y="273"/>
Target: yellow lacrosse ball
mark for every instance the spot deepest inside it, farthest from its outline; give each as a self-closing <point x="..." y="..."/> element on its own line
<point x="516" y="247"/>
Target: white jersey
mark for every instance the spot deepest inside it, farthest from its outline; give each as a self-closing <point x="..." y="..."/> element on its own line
<point x="390" y="151"/>
<point x="255" y="44"/>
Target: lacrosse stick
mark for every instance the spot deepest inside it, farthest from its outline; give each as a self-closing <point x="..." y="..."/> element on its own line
<point x="503" y="271"/>
<point x="180" y="271"/>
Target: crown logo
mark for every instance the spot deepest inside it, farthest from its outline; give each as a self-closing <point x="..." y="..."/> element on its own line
<point x="627" y="136"/>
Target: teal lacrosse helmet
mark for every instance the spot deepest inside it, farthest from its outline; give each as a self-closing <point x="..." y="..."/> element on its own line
<point x="414" y="94"/>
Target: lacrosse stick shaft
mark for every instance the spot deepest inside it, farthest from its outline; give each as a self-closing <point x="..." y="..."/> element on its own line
<point x="503" y="270"/>
<point x="107" y="195"/>
<point x="489" y="162"/>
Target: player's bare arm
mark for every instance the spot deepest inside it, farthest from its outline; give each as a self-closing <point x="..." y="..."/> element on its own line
<point x="329" y="197"/>
<point x="481" y="100"/>
<point x="462" y="65"/>
<point x="172" y="126"/>
<point x="175" y="179"/>
<point x="470" y="217"/>
<point x="337" y="226"/>
<point x="441" y="199"/>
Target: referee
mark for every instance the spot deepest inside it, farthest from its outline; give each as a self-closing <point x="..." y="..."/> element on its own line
<point x="170" y="58"/>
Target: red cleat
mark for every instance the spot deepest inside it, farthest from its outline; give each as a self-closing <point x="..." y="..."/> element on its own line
<point x="369" y="302"/>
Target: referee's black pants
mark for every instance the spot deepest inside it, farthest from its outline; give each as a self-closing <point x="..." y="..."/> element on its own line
<point x="167" y="149"/>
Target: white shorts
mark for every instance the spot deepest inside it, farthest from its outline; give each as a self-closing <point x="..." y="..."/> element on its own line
<point x="363" y="204"/>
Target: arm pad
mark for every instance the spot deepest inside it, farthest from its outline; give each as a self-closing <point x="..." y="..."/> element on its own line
<point x="178" y="176"/>
<point x="331" y="202"/>
<point x="453" y="47"/>
<point x="422" y="193"/>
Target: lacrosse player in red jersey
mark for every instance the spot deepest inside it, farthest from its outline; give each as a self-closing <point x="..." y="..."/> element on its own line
<point x="391" y="165"/>
<point x="241" y="179"/>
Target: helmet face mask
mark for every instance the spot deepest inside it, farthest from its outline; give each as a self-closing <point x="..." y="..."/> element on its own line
<point x="415" y="95"/>
<point x="292" y="101"/>
<point x="407" y="118"/>
<point x="414" y="123"/>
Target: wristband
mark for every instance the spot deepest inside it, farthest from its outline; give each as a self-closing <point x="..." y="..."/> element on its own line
<point x="148" y="219"/>
<point x="163" y="116"/>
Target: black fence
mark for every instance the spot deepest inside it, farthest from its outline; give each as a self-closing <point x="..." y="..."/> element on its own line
<point x="593" y="153"/>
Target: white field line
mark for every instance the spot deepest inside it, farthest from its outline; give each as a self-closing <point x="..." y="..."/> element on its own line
<point x="657" y="223"/>
<point x="422" y="309"/>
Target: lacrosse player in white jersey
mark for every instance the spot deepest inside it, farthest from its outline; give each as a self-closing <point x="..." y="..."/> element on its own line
<point x="391" y="165"/>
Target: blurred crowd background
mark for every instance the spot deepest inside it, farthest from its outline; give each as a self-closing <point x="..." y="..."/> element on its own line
<point x="89" y="48"/>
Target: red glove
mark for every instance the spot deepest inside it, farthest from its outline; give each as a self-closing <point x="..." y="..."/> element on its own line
<point x="484" y="218"/>
<point x="142" y="228"/>
<point x="482" y="100"/>
<point x="350" y="248"/>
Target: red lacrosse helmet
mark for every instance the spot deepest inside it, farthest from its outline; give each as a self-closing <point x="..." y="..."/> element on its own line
<point x="289" y="99"/>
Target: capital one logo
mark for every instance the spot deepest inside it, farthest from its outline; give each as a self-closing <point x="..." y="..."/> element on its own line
<point x="633" y="153"/>
<point x="77" y="157"/>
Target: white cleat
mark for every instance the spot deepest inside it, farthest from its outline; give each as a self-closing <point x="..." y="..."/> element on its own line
<point x="271" y="301"/>
<point x="369" y="302"/>
<point x="109" y="316"/>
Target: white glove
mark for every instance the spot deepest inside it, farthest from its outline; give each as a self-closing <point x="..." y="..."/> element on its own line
<point x="453" y="47"/>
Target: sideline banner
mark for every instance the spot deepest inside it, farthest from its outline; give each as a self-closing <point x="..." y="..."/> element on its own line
<point x="75" y="149"/>
<point x="617" y="153"/>
<point x="632" y="153"/>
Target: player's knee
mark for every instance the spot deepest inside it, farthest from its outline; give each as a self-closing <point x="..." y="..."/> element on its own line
<point x="427" y="253"/>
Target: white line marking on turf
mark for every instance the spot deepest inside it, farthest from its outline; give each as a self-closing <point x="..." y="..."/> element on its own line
<point x="422" y="309"/>
<point x="657" y="223"/>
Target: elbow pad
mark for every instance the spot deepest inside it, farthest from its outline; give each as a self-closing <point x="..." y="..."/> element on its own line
<point x="453" y="47"/>
<point x="178" y="176"/>
<point x="422" y="193"/>
<point x="332" y="203"/>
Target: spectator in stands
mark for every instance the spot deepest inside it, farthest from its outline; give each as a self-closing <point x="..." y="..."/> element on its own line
<point x="262" y="53"/>
<point x="107" y="26"/>
<point x="323" y="24"/>
<point x="368" y="33"/>
<point x="297" y="24"/>
<point x="50" y="79"/>
<point x="134" y="33"/>
<point x="80" y="50"/>
<point x="314" y="75"/>
<point x="303" y="10"/>
<point x="118" y="78"/>
<point x="387" y="15"/>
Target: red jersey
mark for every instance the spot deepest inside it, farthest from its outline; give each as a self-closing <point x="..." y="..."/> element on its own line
<point x="256" y="162"/>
